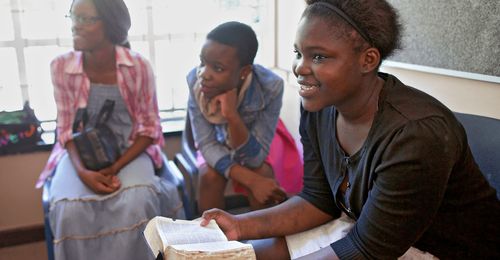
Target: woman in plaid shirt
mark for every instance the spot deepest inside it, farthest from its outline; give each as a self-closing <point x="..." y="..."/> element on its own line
<point x="100" y="214"/>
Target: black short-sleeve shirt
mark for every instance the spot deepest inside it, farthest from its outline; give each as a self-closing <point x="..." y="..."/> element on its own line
<point x="414" y="182"/>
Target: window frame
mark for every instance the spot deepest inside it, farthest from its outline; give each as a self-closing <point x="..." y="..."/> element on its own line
<point x="172" y="118"/>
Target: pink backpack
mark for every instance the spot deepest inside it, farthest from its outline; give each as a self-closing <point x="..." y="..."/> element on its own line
<point x="286" y="160"/>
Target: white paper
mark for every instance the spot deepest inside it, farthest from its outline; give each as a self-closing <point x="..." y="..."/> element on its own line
<point x="212" y="246"/>
<point x="161" y="232"/>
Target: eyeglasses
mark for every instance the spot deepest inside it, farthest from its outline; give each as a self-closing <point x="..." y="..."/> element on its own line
<point x="84" y="20"/>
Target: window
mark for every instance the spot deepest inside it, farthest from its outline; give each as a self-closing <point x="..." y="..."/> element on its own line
<point x="169" y="33"/>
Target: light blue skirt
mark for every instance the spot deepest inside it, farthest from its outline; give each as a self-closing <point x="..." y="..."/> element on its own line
<point x="87" y="225"/>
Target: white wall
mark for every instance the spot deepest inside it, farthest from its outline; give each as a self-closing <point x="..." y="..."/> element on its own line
<point x="288" y="15"/>
<point x="458" y="94"/>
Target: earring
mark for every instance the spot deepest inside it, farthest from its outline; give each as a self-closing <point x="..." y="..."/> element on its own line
<point x="242" y="77"/>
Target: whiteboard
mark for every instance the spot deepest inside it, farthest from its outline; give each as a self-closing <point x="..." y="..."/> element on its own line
<point x="454" y="37"/>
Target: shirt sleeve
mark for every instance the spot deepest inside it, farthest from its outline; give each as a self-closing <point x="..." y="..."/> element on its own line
<point x="64" y="97"/>
<point x="254" y="151"/>
<point x="409" y="185"/>
<point x="147" y="114"/>
<point x="215" y="154"/>
<point x="316" y="189"/>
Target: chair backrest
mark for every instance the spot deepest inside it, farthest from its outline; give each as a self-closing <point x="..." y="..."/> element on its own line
<point x="483" y="135"/>
<point x="188" y="148"/>
<point x="172" y="174"/>
<point x="186" y="162"/>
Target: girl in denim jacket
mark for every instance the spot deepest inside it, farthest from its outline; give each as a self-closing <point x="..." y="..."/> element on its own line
<point x="234" y="107"/>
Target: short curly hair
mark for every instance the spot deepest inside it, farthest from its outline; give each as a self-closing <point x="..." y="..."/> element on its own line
<point x="377" y="19"/>
<point x="237" y="35"/>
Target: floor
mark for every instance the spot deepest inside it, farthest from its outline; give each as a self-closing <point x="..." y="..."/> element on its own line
<point x="36" y="251"/>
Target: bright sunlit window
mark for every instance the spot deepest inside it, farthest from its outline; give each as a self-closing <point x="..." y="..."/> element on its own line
<point x="169" y="33"/>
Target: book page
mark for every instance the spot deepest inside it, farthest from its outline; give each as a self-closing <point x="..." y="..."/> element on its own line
<point x="212" y="246"/>
<point x="211" y="251"/>
<point x="188" y="232"/>
<point x="161" y="232"/>
<point x="152" y="237"/>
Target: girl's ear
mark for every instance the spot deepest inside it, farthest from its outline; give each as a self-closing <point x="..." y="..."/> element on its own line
<point x="245" y="71"/>
<point x="370" y="59"/>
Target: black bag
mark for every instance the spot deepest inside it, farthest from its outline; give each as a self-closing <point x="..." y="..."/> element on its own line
<point x="97" y="145"/>
<point x="19" y="131"/>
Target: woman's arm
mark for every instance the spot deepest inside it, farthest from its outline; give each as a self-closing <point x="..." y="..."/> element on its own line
<point x="264" y="189"/>
<point x="290" y="217"/>
<point x="255" y="147"/>
<point x="236" y="128"/>
<point x="75" y="158"/>
<point x="145" y="109"/>
<point x="139" y="145"/>
<point x="215" y="154"/>
<point x="96" y="181"/>
<point x="64" y="96"/>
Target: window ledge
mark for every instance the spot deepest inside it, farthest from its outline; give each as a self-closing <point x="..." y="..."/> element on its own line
<point x="175" y="129"/>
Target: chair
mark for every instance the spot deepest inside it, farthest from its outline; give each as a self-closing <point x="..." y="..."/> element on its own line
<point x="168" y="171"/>
<point x="483" y="135"/>
<point x="49" y="236"/>
<point x="172" y="174"/>
<point x="186" y="162"/>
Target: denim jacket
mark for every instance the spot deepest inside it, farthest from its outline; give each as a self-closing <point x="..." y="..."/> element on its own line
<point x="259" y="111"/>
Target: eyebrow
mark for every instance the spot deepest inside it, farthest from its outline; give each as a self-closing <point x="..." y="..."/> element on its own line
<point x="216" y="63"/>
<point x="219" y="64"/>
<point x="312" y="48"/>
<point x="84" y="14"/>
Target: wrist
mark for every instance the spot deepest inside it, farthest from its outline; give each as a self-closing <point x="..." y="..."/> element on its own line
<point x="233" y="117"/>
<point x="242" y="175"/>
<point x="240" y="227"/>
<point x="115" y="168"/>
<point x="253" y="182"/>
<point x="81" y="171"/>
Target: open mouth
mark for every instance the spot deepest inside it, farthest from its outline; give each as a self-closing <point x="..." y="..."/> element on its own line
<point x="307" y="91"/>
<point x="78" y="37"/>
<point x="308" y="87"/>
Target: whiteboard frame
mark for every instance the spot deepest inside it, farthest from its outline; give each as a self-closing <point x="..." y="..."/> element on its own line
<point x="447" y="72"/>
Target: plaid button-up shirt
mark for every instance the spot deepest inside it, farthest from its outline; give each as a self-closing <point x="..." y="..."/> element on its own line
<point x="136" y="84"/>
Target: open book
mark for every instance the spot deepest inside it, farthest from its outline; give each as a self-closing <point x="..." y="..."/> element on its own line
<point x="186" y="239"/>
